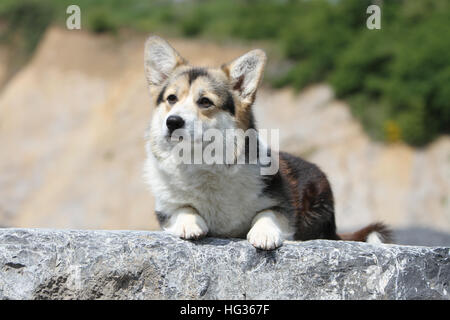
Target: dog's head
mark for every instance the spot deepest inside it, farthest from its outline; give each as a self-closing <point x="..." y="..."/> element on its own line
<point x="184" y="95"/>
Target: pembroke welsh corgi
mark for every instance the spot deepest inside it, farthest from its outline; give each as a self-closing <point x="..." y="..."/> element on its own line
<point x="221" y="187"/>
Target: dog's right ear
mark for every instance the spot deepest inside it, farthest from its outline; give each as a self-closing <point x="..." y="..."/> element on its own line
<point x="160" y="59"/>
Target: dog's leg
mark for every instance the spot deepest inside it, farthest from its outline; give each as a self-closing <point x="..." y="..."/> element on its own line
<point x="269" y="230"/>
<point x="187" y="224"/>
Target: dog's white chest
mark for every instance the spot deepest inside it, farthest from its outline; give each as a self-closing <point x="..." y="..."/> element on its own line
<point x="226" y="199"/>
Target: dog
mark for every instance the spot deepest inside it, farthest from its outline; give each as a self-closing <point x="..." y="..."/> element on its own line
<point x="232" y="199"/>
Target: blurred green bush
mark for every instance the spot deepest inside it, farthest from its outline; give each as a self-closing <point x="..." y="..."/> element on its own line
<point x="22" y="25"/>
<point x="397" y="79"/>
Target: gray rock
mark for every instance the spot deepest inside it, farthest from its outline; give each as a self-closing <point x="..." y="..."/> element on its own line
<point x="66" y="264"/>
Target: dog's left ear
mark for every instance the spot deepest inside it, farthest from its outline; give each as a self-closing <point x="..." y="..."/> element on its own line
<point x="245" y="74"/>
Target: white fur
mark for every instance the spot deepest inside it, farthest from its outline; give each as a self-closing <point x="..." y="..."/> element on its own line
<point x="187" y="224"/>
<point x="227" y="198"/>
<point x="374" y="238"/>
<point x="269" y="230"/>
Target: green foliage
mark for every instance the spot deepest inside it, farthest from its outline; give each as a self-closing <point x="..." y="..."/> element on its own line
<point x="397" y="79"/>
<point x="406" y="70"/>
<point x="22" y="24"/>
<point x="24" y="21"/>
<point x="100" y="22"/>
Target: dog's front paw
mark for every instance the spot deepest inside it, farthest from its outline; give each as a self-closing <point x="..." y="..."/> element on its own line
<point x="268" y="230"/>
<point x="264" y="237"/>
<point x="188" y="226"/>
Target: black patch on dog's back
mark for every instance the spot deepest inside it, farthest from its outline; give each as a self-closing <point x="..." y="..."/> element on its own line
<point x="311" y="198"/>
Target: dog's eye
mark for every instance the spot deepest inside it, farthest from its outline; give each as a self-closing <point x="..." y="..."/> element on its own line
<point x="204" y="102"/>
<point x="172" y="98"/>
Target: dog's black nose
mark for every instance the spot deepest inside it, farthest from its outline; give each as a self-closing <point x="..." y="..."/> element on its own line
<point x="174" y="122"/>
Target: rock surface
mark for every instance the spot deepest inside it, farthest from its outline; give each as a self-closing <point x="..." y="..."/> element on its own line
<point x="66" y="264"/>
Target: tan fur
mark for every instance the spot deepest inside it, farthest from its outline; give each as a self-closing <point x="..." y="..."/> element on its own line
<point x="243" y="116"/>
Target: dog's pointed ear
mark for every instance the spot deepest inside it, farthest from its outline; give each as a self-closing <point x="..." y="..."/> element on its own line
<point x="245" y="74"/>
<point x="160" y="59"/>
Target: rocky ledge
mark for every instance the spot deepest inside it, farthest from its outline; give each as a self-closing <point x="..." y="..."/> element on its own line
<point x="72" y="264"/>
